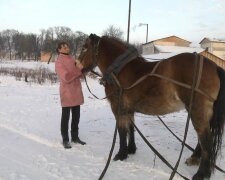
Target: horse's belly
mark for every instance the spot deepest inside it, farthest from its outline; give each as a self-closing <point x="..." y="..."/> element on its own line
<point x="159" y="106"/>
<point x="174" y="106"/>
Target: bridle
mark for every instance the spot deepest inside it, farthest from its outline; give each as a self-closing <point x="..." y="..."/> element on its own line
<point x="95" y="53"/>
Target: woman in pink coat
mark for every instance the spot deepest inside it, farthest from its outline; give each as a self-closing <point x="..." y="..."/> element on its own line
<point x="69" y="73"/>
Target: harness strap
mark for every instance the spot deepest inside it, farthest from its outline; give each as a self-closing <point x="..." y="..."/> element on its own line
<point x="119" y="63"/>
<point x="196" y="75"/>
<point x="155" y="67"/>
<point x="174" y="81"/>
<point x="185" y="86"/>
<point x="200" y="67"/>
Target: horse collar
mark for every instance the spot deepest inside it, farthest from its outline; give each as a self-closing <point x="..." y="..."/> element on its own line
<point x="117" y="65"/>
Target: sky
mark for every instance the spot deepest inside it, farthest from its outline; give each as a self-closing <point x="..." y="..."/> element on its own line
<point x="191" y="20"/>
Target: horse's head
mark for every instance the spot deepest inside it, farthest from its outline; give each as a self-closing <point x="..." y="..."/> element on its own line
<point x="89" y="53"/>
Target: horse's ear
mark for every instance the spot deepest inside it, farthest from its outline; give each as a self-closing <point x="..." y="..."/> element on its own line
<point x="93" y="36"/>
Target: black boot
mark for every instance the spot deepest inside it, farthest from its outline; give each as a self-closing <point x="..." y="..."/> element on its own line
<point x="76" y="139"/>
<point x="66" y="145"/>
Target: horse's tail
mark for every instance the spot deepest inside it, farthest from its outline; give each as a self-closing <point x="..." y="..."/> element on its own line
<point x="218" y="119"/>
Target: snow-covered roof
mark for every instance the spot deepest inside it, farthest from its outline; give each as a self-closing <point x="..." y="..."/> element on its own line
<point x="167" y="38"/>
<point x="213" y="40"/>
<point x="178" y="49"/>
<point x="169" y="51"/>
<point x="158" y="56"/>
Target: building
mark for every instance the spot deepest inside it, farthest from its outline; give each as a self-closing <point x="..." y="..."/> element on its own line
<point x="220" y="62"/>
<point x="167" y="47"/>
<point x="45" y="56"/>
<point x="214" y="46"/>
<point x="170" y="46"/>
<point x="156" y="46"/>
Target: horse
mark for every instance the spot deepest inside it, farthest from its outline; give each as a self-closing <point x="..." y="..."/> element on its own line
<point x="159" y="88"/>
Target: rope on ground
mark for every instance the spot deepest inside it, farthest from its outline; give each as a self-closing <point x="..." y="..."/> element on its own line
<point x="186" y="145"/>
<point x="114" y="138"/>
<point x="110" y="154"/>
<point x="156" y="152"/>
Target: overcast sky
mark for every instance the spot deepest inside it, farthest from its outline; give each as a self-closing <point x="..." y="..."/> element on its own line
<point x="189" y="19"/>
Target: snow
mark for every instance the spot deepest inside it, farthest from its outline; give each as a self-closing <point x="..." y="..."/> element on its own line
<point x="31" y="146"/>
<point x="169" y="51"/>
<point x="178" y="49"/>
<point x="26" y="64"/>
<point x="215" y="40"/>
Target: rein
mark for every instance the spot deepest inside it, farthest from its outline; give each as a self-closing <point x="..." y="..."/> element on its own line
<point x="85" y="79"/>
<point x="186" y="145"/>
<point x="156" y="152"/>
<point x="114" y="138"/>
<point x="195" y="84"/>
<point x="110" y="153"/>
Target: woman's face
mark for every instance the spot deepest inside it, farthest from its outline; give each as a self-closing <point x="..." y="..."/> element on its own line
<point x="64" y="49"/>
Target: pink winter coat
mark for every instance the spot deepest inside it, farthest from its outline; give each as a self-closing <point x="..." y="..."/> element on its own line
<point x="70" y="86"/>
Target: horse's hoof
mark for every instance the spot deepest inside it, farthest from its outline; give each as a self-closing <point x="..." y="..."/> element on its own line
<point x="132" y="149"/>
<point x="192" y="161"/>
<point x="201" y="176"/>
<point x="197" y="178"/>
<point x="120" y="156"/>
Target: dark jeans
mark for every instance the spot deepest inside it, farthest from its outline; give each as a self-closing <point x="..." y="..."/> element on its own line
<point x="74" y="122"/>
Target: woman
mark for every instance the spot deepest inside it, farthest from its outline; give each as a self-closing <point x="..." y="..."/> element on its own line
<point x="69" y="73"/>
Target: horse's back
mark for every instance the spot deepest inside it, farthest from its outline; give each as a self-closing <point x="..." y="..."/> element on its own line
<point x="182" y="69"/>
<point x="159" y="95"/>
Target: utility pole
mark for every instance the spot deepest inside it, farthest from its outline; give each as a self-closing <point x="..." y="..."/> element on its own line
<point x="128" y="28"/>
<point x="143" y="24"/>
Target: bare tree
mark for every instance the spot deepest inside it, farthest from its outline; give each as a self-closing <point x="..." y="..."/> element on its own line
<point x="113" y="32"/>
<point x="41" y="38"/>
<point x="25" y="46"/>
<point x="78" y="40"/>
<point x="2" y="46"/>
<point x="19" y="41"/>
<point x="30" y="46"/>
<point x="8" y="34"/>
<point x="63" y="33"/>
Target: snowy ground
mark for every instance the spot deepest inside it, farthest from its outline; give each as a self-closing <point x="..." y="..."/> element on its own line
<point x="31" y="143"/>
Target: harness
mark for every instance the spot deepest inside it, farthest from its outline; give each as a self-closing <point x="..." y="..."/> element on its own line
<point x="118" y="64"/>
<point x="110" y="76"/>
<point x="122" y="60"/>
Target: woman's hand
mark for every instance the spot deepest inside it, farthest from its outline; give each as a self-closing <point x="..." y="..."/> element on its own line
<point x="78" y="64"/>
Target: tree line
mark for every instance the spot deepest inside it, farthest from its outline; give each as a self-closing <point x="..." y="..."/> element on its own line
<point x="19" y="45"/>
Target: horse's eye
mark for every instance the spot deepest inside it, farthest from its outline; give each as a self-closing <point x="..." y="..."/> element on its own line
<point x="84" y="49"/>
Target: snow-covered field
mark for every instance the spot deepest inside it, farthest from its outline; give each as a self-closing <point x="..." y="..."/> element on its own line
<point x="31" y="143"/>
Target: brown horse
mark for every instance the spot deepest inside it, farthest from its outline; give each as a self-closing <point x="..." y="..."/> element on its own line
<point x="165" y="88"/>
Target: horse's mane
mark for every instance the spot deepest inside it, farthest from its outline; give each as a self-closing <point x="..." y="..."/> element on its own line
<point x="117" y="42"/>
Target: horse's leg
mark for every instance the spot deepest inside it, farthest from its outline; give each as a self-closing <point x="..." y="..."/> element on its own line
<point x="131" y="144"/>
<point x="200" y="119"/>
<point x="204" y="170"/>
<point x="122" y="125"/>
<point x="195" y="157"/>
